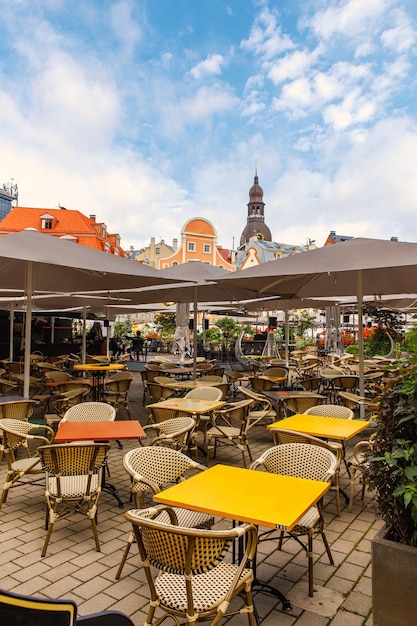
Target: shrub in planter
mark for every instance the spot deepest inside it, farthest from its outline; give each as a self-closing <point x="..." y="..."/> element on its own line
<point x="392" y="472"/>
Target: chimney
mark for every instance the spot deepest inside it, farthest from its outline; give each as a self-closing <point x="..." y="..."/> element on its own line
<point x="93" y="218"/>
<point x="394" y="238"/>
<point x="175" y="244"/>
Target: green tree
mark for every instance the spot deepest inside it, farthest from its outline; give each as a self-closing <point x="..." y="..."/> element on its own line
<point x="165" y="324"/>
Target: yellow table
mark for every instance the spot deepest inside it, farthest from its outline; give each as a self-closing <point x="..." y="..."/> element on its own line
<point x="98" y="373"/>
<point x="188" y="405"/>
<point x="190" y="384"/>
<point x="245" y="495"/>
<point x="318" y="426"/>
<point x="260" y="498"/>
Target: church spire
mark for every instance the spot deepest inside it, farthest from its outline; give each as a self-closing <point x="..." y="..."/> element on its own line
<point x="255" y="226"/>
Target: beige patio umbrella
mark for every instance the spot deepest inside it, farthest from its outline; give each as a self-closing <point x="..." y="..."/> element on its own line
<point x="355" y="267"/>
<point x="34" y="262"/>
<point x="202" y="286"/>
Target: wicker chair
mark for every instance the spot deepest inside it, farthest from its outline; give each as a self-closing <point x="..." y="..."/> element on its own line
<point x="262" y="408"/>
<point x="193" y="582"/>
<point x="258" y="383"/>
<point x="304" y="461"/>
<point x="116" y="393"/>
<point x="230" y="426"/>
<point x="73" y="482"/>
<point x="330" y="410"/>
<point x="357" y="467"/>
<point x="336" y="411"/>
<point x="20" y="410"/>
<point x="16" y="610"/>
<point x="159" y="392"/>
<point x="299" y="403"/>
<point x="61" y="402"/>
<point x="17" y="434"/>
<point x="151" y="469"/>
<point x="173" y="433"/>
<point x="290" y="436"/>
<point x="90" y="412"/>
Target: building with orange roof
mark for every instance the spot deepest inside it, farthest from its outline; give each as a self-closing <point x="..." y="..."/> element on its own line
<point x="198" y="243"/>
<point x="65" y="224"/>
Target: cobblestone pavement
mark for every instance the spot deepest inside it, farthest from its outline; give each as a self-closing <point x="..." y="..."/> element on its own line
<point x="73" y="569"/>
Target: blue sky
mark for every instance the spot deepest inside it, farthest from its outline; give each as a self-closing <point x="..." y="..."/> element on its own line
<point x="147" y="113"/>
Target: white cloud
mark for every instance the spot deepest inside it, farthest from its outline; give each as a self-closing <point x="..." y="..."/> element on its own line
<point x="349" y="18"/>
<point x="402" y="36"/>
<point x="266" y="38"/>
<point x="293" y="65"/>
<point x="125" y="27"/>
<point x="211" y="65"/>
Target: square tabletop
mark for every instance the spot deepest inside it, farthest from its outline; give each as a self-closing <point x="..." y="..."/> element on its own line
<point x="98" y="431"/>
<point x="318" y="426"/>
<point x="189" y="405"/>
<point x="260" y="498"/>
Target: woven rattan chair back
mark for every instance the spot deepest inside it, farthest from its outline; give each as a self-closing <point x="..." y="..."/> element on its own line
<point x="153" y="467"/>
<point x="300" y="403"/>
<point x="205" y="393"/>
<point x="299" y="459"/>
<point x="331" y="410"/>
<point x="17" y="434"/>
<point x="159" y="392"/>
<point x="230" y="426"/>
<point x="174" y="433"/>
<point x="90" y="412"/>
<point x="57" y="375"/>
<point x="258" y="383"/>
<point x="211" y="378"/>
<point x="116" y="393"/>
<point x="161" y="414"/>
<point x="21" y="410"/>
<point x="180" y="554"/>
<point x="282" y="436"/>
<point x="6" y="386"/>
<point x="73" y="482"/>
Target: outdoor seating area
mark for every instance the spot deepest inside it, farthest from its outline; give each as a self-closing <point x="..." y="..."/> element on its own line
<point x="98" y="566"/>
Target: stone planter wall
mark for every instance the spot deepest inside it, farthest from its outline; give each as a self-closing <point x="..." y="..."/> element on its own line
<point x="394" y="582"/>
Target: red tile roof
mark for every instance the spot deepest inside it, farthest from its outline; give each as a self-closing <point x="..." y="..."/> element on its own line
<point x="64" y="223"/>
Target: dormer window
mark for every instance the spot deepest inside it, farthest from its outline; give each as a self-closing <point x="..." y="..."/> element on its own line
<point x="47" y="221"/>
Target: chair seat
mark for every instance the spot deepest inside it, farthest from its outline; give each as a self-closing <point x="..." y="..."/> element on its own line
<point x="226" y="431"/>
<point x="189" y="519"/>
<point x="73" y="486"/>
<point x="309" y="520"/>
<point x="22" y="465"/>
<point x="209" y="588"/>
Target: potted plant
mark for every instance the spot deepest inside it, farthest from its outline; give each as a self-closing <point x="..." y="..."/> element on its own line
<point x="392" y="474"/>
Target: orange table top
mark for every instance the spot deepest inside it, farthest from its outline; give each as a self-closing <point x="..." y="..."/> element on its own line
<point x="99" y="431"/>
<point x="318" y="426"/>
<point x="245" y="495"/>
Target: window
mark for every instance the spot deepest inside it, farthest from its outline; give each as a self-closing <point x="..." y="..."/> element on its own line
<point x="191" y="246"/>
<point x="157" y="250"/>
<point x="207" y="248"/>
<point x="47" y="224"/>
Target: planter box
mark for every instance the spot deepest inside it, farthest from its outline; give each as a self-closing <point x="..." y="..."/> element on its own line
<point x="394" y="576"/>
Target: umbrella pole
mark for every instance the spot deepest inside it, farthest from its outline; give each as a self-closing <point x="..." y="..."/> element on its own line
<point x="28" y="328"/>
<point x="195" y="335"/>
<point x="287" y="338"/>
<point x="360" y="341"/>
<point x="84" y="338"/>
<point x="11" y="332"/>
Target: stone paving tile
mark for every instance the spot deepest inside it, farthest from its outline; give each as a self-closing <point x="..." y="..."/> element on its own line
<point x="73" y="569"/>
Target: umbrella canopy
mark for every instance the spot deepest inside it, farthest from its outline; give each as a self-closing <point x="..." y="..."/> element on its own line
<point x="59" y="266"/>
<point x="32" y="261"/>
<point x="354" y="267"/>
<point x="387" y="267"/>
<point x="200" y="276"/>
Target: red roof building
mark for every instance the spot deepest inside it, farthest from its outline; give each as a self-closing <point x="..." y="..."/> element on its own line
<point x="65" y="224"/>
